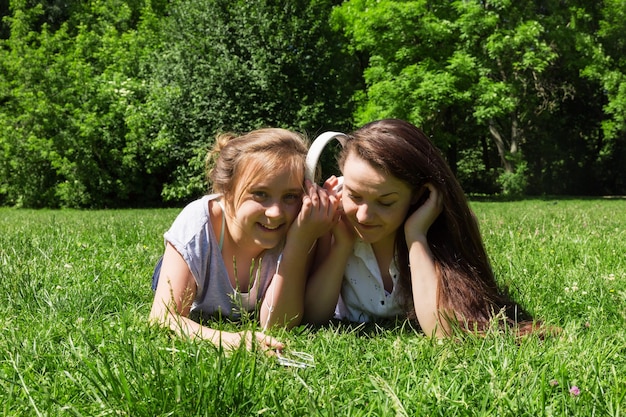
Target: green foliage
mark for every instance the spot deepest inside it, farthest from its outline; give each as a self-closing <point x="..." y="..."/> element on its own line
<point x="511" y="71"/>
<point x="514" y="183"/>
<point x="70" y="97"/>
<point x="473" y="173"/>
<point x="113" y="103"/>
<point x="75" y="297"/>
<point x="607" y="47"/>
<point x="238" y="66"/>
<point x="189" y="178"/>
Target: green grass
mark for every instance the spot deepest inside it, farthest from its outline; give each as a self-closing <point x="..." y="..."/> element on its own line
<point x="74" y="339"/>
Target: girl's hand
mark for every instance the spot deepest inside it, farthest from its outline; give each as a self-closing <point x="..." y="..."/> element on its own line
<point x="232" y="341"/>
<point x="333" y="186"/>
<point x="318" y="212"/>
<point x="342" y="231"/>
<point x="418" y="223"/>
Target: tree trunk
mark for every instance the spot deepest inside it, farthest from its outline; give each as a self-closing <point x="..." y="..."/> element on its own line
<point x="501" y="145"/>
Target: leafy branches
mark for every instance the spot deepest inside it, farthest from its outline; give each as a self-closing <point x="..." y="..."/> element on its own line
<point x="114" y="102"/>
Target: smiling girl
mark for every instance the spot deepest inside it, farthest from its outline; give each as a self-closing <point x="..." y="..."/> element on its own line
<point x="246" y="245"/>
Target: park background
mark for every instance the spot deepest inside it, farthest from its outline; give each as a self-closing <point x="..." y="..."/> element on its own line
<point x="111" y="104"/>
<point x="114" y="103"/>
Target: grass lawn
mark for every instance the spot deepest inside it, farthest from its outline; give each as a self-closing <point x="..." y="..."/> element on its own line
<point x="74" y="339"/>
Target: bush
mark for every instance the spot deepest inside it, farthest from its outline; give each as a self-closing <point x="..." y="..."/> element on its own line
<point x="513" y="184"/>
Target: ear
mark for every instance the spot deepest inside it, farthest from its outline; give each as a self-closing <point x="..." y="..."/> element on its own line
<point x="417" y="194"/>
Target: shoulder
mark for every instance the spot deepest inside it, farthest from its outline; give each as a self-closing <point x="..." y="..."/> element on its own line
<point x="194" y="219"/>
<point x="199" y="207"/>
<point x="197" y="210"/>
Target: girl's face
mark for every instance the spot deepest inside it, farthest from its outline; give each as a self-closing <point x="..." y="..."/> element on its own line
<point x="267" y="207"/>
<point x="375" y="203"/>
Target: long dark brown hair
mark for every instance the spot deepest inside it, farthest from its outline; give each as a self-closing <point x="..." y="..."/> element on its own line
<point x="467" y="289"/>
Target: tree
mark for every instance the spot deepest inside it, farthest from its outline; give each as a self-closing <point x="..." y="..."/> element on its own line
<point x="115" y="102"/>
<point x="468" y="70"/>
<point x="71" y="90"/>
<point x="239" y="65"/>
<point x="606" y="49"/>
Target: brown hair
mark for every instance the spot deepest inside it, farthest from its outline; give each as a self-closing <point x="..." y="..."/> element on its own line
<point x="238" y="160"/>
<point x="466" y="287"/>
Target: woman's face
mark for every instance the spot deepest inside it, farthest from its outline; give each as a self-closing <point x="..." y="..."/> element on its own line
<point x="375" y="203"/>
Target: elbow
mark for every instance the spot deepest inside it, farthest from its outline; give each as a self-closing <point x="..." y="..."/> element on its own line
<point x="295" y="321"/>
<point x="160" y="314"/>
<point x="287" y="320"/>
<point x="158" y="318"/>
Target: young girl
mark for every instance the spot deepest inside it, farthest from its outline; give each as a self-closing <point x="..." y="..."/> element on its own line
<point x="408" y="243"/>
<point x="246" y="243"/>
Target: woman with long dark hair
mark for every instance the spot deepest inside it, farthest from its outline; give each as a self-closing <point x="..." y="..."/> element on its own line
<point x="408" y="243"/>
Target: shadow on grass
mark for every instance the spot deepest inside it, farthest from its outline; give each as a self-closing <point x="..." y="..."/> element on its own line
<point x="373" y="329"/>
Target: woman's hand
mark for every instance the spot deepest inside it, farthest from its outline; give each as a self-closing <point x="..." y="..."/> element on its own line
<point x="332" y="253"/>
<point x="424" y="272"/>
<point x="418" y="223"/>
<point x="334" y="185"/>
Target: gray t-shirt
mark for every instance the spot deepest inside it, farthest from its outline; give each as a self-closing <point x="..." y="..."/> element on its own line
<point x="192" y="236"/>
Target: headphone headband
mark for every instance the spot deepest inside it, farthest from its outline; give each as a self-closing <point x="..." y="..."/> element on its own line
<point x="315" y="151"/>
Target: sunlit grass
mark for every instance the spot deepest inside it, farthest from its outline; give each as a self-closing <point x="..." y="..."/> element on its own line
<point x="74" y="339"/>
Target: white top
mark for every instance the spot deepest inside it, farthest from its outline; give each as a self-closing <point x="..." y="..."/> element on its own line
<point x="363" y="297"/>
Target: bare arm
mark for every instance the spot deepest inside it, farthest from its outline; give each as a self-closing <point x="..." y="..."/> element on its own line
<point x="424" y="273"/>
<point x="333" y="250"/>
<point x="324" y="285"/>
<point x="172" y="302"/>
<point x="424" y="279"/>
<point x="283" y="303"/>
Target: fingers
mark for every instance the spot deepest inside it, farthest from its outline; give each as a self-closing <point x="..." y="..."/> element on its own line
<point x="311" y="193"/>
<point x="330" y="183"/>
<point x="318" y="201"/>
<point x="435" y="199"/>
<point x="268" y="344"/>
<point x="333" y="184"/>
<point x="251" y="340"/>
<point x="419" y="222"/>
